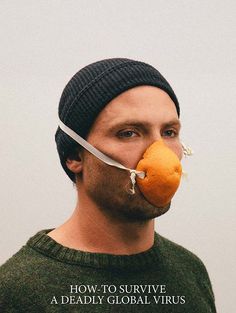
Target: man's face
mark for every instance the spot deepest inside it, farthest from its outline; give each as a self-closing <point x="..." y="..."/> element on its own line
<point x="123" y="130"/>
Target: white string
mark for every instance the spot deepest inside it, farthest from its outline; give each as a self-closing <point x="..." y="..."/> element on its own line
<point x="186" y="150"/>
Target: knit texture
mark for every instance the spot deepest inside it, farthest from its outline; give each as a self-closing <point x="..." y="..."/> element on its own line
<point x="44" y="276"/>
<point x="92" y="88"/>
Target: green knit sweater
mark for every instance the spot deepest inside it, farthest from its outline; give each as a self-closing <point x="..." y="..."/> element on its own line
<point x="44" y="276"/>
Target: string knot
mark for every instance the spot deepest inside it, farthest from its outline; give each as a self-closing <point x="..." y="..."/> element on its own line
<point x="133" y="180"/>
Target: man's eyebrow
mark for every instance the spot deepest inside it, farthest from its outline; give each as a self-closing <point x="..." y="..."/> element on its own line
<point x="173" y="122"/>
<point x="131" y="122"/>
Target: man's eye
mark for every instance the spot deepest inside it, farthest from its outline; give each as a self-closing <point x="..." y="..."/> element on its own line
<point x="126" y="134"/>
<point x="171" y="133"/>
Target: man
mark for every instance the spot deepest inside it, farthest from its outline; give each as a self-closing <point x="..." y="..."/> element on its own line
<point x="107" y="257"/>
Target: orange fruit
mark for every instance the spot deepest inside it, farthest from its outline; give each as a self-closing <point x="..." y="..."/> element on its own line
<point x="163" y="173"/>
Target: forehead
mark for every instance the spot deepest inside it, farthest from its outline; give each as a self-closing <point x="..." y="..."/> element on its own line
<point x="142" y="103"/>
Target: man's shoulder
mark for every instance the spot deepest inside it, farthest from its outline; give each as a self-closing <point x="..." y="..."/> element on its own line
<point x="187" y="264"/>
<point x="16" y="263"/>
<point x="21" y="267"/>
<point x="17" y="268"/>
<point x="19" y="277"/>
<point x="12" y="277"/>
<point x="180" y="256"/>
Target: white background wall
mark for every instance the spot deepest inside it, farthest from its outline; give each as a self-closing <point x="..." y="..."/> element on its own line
<point x="192" y="43"/>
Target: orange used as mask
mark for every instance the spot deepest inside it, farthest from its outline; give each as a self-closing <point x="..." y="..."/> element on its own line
<point x="163" y="173"/>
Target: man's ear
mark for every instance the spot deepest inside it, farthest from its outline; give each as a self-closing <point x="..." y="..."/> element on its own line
<point x="73" y="165"/>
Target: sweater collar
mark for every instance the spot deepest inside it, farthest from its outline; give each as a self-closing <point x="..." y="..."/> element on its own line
<point x="46" y="245"/>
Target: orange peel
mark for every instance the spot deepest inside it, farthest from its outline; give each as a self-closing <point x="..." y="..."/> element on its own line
<point x="163" y="174"/>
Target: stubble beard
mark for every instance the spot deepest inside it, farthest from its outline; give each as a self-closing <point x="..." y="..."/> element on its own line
<point x="109" y="188"/>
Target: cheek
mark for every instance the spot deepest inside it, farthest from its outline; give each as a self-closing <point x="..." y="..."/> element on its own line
<point x="130" y="159"/>
<point x="177" y="149"/>
<point x="128" y="155"/>
<point x="97" y="174"/>
<point x="92" y="169"/>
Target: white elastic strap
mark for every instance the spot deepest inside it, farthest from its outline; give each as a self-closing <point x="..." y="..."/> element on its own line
<point x="101" y="156"/>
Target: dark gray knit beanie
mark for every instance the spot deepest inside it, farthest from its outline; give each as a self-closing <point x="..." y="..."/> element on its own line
<point x="90" y="89"/>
